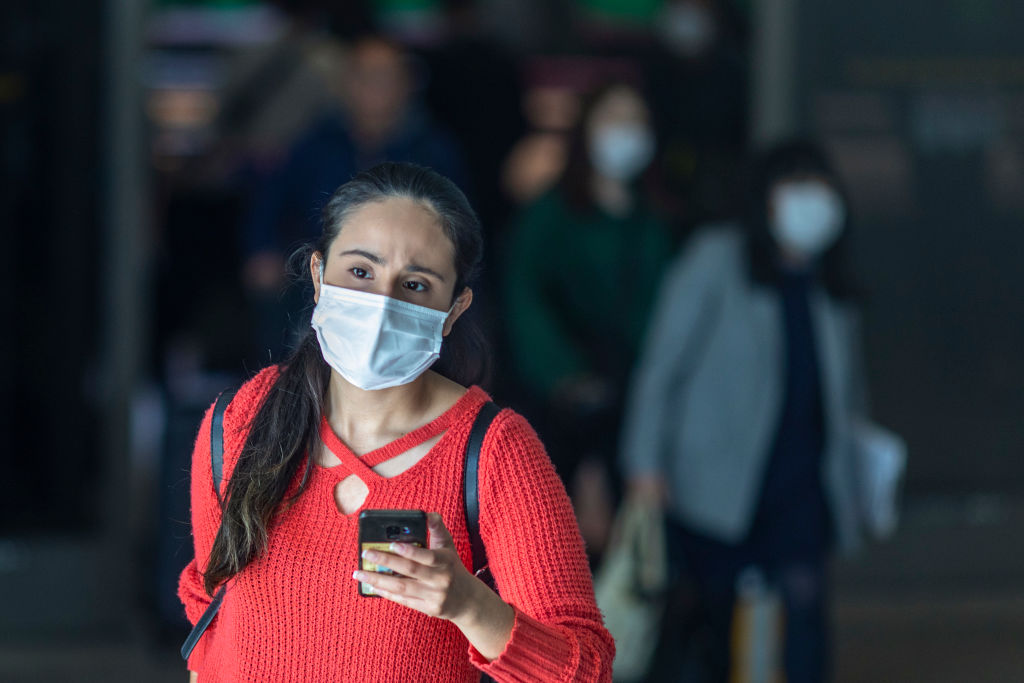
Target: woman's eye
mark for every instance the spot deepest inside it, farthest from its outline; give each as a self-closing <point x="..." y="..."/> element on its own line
<point x="360" y="273"/>
<point x="416" y="286"/>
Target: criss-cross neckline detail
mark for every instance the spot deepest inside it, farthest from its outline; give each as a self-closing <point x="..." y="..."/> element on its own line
<point x="362" y="466"/>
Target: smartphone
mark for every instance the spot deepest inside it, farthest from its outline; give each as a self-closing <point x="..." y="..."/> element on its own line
<point x="378" y="529"/>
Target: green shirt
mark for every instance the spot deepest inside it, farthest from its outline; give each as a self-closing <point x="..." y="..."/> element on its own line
<point x="579" y="289"/>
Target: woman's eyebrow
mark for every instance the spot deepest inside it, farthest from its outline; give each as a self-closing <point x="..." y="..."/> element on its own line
<point x="371" y="257"/>
<point x="378" y="261"/>
<point x="414" y="268"/>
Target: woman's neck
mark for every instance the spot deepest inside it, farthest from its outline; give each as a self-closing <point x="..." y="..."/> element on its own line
<point x="358" y="416"/>
<point x="611" y="195"/>
<point x="794" y="261"/>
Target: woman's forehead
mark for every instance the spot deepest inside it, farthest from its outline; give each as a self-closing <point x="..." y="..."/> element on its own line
<point x="400" y="226"/>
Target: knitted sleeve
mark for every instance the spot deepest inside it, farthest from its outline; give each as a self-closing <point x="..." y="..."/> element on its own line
<point x="537" y="557"/>
<point x="205" y="506"/>
<point x="205" y="520"/>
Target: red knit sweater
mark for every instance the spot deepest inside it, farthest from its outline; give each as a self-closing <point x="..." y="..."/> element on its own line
<point x="294" y="613"/>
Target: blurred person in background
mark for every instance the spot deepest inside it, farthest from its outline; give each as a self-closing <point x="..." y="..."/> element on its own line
<point x="699" y="82"/>
<point x="740" y="413"/>
<point x="580" y="273"/>
<point x="376" y="118"/>
<point x="474" y="90"/>
<point x="361" y="416"/>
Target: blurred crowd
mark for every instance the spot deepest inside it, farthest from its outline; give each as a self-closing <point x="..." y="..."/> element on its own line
<point x="668" y="306"/>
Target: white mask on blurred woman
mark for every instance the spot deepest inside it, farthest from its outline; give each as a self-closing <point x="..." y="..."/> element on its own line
<point x="621" y="150"/>
<point x="808" y="217"/>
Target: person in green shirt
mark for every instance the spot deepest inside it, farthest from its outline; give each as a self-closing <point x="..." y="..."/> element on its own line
<point x="581" y="270"/>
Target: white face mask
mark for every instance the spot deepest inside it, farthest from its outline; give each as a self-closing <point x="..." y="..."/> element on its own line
<point x="808" y="217"/>
<point x="374" y="341"/>
<point x="621" y="150"/>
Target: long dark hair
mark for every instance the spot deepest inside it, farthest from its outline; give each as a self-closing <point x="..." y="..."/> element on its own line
<point x="792" y="159"/>
<point x="284" y="433"/>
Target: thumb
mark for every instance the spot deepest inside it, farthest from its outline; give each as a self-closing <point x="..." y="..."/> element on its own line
<point x="440" y="537"/>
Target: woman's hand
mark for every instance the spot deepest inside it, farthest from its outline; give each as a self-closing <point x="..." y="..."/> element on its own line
<point x="651" y="489"/>
<point x="435" y="582"/>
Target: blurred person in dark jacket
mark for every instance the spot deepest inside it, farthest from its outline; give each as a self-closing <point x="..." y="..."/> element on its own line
<point x="580" y="274"/>
<point x="699" y="86"/>
<point x="377" y="118"/>
<point x="741" y="412"/>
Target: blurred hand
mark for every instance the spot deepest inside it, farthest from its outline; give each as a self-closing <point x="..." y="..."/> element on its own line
<point x="264" y="271"/>
<point x="649" y="488"/>
<point x="593" y="502"/>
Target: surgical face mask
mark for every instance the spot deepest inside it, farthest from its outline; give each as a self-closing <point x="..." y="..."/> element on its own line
<point x="687" y="28"/>
<point x="622" y="150"/>
<point x="808" y="217"/>
<point x="374" y="341"/>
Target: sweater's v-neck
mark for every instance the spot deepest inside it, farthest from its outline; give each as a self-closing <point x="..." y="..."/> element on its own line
<point x="363" y="465"/>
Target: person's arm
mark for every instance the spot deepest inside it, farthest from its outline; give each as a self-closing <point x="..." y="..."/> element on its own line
<point x="193" y="677"/>
<point x="205" y="520"/>
<point x="672" y="334"/>
<point x="543" y="351"/>
<point x="860" y="397"/>
<point x="536" y="555"/>
<point x="206" y="512"/>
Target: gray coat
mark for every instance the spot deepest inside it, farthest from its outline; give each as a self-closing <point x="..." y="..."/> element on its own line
<point x="707" y="395"/>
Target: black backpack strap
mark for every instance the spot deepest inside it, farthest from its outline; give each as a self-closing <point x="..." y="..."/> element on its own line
<point x="217" y="440"/>
<point x="471" y="483"/>
<point x="217" y="467"/>
<point x="204" y="621"/>
<point x="471" y="496"/>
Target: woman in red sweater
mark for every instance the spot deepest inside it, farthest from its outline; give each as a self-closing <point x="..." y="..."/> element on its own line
<point x="355" y="420"/>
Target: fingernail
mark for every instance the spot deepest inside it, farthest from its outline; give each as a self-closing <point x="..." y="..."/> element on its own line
<point x="397" y="547"/>
<point x="357" y="575"/>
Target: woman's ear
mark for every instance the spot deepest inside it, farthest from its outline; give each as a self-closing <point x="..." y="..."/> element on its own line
<point x="461" y="304"/>
<point x="316" y="266"/>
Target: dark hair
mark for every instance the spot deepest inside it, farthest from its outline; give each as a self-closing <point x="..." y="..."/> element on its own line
<point x="576" y="185"/>
<point x="793" y="158"/>
<point x="284" y="433"/>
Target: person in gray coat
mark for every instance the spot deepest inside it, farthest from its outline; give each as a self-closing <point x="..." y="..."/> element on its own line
<point x="740" y="412"/>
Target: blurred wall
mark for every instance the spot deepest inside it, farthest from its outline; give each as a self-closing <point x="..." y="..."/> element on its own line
<point x="50" y="56"/>
<point x="922" y="102"/>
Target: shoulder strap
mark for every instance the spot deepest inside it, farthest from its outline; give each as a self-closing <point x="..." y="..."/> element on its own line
<point x="471" y="482"/>
<point x="217" y="467"/>
<point x="217" y="440"/>
<point x="204" y="621"/>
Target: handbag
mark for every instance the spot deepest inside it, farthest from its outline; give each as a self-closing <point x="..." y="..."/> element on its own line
<point x="879" y="460"/>
<point x="630" y="587"/>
